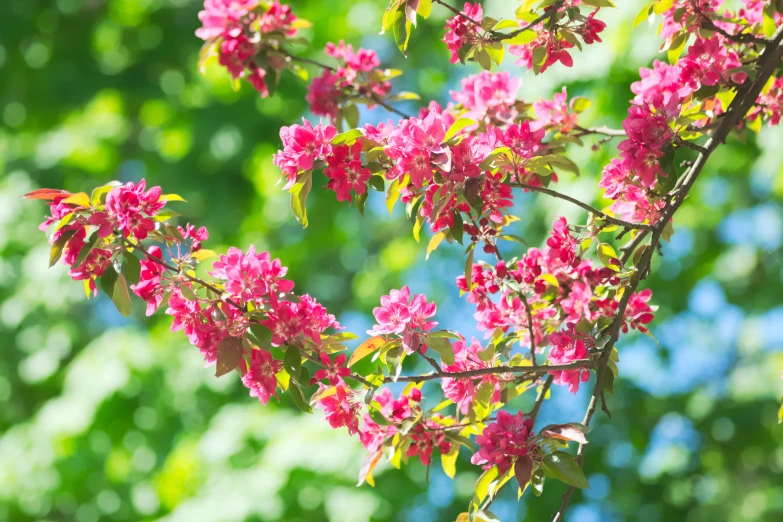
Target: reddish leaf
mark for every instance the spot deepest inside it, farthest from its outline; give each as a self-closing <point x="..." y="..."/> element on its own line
<point x="564" y="432"/>
<point x="228" y="355"/>
<point x="523" y="470"/>
<point x="46" y="194"/>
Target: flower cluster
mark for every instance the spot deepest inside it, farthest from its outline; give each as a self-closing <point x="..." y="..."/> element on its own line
<point x="561" y="290"/>
<point x="463" y="31"/>
<point x="504" y="441"/>
<point x="357" y="76"/>
<point x="405" y="317"/>
<point x="242" y="30"/>
<point x="463" y="390"/>
<point x="552" y="38"/>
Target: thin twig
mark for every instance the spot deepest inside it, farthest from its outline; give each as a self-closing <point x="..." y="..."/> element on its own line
<point x="609" y="219"/>
<point x="606" y="131"/>
<point x="371" y="97"/>
<point x="496" y="370"/>
<point x="540" y="398"/>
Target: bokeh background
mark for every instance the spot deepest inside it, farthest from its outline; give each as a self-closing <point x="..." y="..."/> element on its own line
<point x="103" y="418"/>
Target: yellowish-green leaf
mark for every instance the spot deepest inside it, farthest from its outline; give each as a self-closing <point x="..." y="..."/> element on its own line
<point x="203" y="254"/>
<point x="172" y="197"/>
<point x="80" y="199"/>
<point x="457" y="126"/>
<point x="366" y="348"/>
<point x="434" y="242"/>
<point x="449" y="461"/>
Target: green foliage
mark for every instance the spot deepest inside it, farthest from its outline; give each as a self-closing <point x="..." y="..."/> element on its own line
<point x="102" y="422"/>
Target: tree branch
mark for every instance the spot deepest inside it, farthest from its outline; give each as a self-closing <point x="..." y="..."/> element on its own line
<point x="609" y="219"/>
<point x="496" y="370"/>
<point x="743" y="101"/>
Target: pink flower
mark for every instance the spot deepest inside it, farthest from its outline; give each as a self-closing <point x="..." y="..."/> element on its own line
<point x="346" y="172"/>
<point x="305" y="319"/>
<point x="260" y="377"/>
<point x="463" y="390"/>
<point x="399" y="315"/>
<point x="495" y="196"/>
<point x="341" y="410"/>
<point x="129" y="208"/>
<point x="503" y="441"/>
<point x="323" y="94"/>
<point x="555" y="112"/>
<point x="460" y="32"/>
<point x="334" y="371"/>
<point x="568" y="347"/>
<point x="302" y="146"/>
<point x="489" y="95"/>
<point x="561" y="244"/>
<point x="223" y="17"/>
<point x="278" y="18"/>
<point x="252" y="275"/>
<point x="638" y="313"/>
<point x="93" y="266"/>
<point x="425" y="436"/>
<point x="149" y="287"/>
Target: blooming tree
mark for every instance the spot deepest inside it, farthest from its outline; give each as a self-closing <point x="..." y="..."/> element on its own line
<point x="550" y="317"/>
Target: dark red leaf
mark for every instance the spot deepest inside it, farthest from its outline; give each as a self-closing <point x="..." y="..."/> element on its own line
<point x="523" y="470"/>
<point x="46" y="194"/>
<point x="564" y="432"/>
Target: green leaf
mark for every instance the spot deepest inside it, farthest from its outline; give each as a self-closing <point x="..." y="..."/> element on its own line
<point x="677" y="47"/>
<point x="506" y="24"/>
<point x="537" y="481"/>
<point x="348" y="137"/>
<point x="599" y="3"/>
<point x="392" y="194"/>
<point x="483" y="59"/>
<point x="107" y="281"/>
<point x="57" y="248"/>
<point x="188" y="293"/>
<point x="609" y="382"/>
<point x="86" y="249"/>
<point x="606" y="254"/>
<point x="229" y="353"/>
<point x="481" y="490"/>
<point x="495" y="51"/>
<point x="351" y="115"/>
<point x="580" y="104"/>
<point x="434" y="242"/>
<point x="563" y="467"/>
<point x="424" y="8"/>
<point x="443" y="348"/>
<point x="780" y="414"/>
<point x="643" y="15"/>
<point x="299" y="194"/>
<point x="457" y="229"/>
<point x="292" y="361"/>
<point x="404" y="95"/>
<point x="525" y="37"/>
<point x="132" y="267"/>
<point x="449" y="460"/>
<point x="469" y="268"/>
<point x="298" y="398"/>
<point x="120" y="296"/>
<point x="457" y="126"/>
<point x="259" y="335"/>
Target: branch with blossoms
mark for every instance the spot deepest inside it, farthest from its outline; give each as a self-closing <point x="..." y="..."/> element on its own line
<point x="252" y="40"/>
<point x="550" y="316"/>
